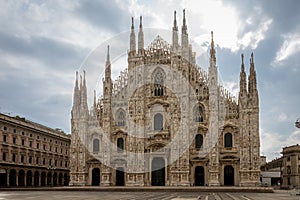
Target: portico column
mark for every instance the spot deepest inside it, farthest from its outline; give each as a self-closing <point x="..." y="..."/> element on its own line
<point x="40" y="179"/>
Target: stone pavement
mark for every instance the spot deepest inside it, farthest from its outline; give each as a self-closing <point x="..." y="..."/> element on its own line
<point x="95" y="195"/>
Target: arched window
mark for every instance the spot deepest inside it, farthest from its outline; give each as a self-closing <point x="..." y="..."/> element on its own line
<point x="120" y="144"/>
<point x="199" y="141"/>
<point x="158" y="122"/>
<point x="159" y="83"/>
<point x="121" y="118"/>
<point x="198" y="114"/>
<point x="228" y="140"/>
<point x="96" y="146"/>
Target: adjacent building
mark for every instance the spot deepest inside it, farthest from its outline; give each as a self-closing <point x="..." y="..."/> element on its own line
<point x="32" y="154"/>
<point x="165" y="121"/>
<point x="291" y="166"/>
<point x="283" y="171"/>
<point x="271" y="172"/>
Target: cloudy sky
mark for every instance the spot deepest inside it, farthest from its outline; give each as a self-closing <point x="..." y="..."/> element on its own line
<point x="43" y="43"/>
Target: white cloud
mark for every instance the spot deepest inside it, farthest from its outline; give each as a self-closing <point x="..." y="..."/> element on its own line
<point x="273" y="142"/>
<point x="282" y="117"/>
<point x="290" y="46"/>
<point x="252" y="38"/>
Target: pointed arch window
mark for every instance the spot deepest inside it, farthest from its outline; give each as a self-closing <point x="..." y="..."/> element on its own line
<point x="199" y="141"/>
<point x="96" y="146"/>
<point x="120" y="145"/>
<point x="159" y="83"/>
<point x="228" y="140"/>
<point x="121" y="118"/>
<point x="158" y="122"/>
<point x="198" y="114"/>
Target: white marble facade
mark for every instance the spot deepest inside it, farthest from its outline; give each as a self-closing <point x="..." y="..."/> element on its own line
<point x="166" y="122"/>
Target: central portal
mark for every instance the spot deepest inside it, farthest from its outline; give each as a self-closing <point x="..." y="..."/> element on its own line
<point x="158" y="172"/>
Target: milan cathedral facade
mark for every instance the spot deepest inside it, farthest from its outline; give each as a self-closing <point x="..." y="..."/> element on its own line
<point x="166" y="122"/>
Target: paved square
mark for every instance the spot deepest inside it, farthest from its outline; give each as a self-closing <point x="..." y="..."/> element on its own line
<point x="71" y="195"/>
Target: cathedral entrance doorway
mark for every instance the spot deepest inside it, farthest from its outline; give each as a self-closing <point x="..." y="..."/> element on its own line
<point x="158" y="172"/>
<point x="96" y="177"/>
<point x="199" y="176"/>
<point x="229" y="175"/>
<point x="120" y="178"/>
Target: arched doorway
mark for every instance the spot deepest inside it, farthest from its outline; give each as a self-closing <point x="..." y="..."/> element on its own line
<point x="29" y="178"/>
<point x="36" y="179"/>
<point x="199" y="176"/>
<point x="96" y="177"/>
<point x="49" y="179"/>
<point x="120" y="178"/>
<point x="60" y="179"/>
<point x="3" y="178"/>
<point x="228" y="175"/>
<point x="158" y="172"/>
<point x="43" y="179"/>
<point x="12" y="177"/>
<point x="21" y="178"/>
<point x="55" y="179"/>
<point x="66" y="180"/>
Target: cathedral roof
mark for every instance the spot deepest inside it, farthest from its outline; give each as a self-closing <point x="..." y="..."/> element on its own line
<point x="159" y="44"/>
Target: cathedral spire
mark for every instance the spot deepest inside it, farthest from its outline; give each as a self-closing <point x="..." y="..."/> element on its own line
<point x="84" y="82"/>
<point x="80" y="82"/>
<point x="95" y="100"/>
<point x="141" y="37"/>
<point x="107" y="65"/>
<point x="212" y="49"/>
<point x="252" y="87"/>
<point x="175" y="32"/>
<point x="76" y="95"/>
<point x="132" y="36"/>
<point x="107" y="84"/>
<point x="84" y="92"/>
<point x="184" y="34"/>
<point x="243" y="80"/>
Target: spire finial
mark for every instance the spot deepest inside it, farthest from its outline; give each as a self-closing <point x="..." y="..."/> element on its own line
<point x="242" y="65"/>
<point x="184" y="22"/>
<point x="242" y="55"/>
<point x="80" y="81"/>
<point x="132" y="23"/>
<point x="107" y="52"/>
<point x="141" y="24"/>
<point x="94" y="99"/>
<point x="76" y="75"/>
<point x="252" y="60"/>
<point x="83" y="77"/>
<point x="175" y="22"/>
<point x="212" y="48"/>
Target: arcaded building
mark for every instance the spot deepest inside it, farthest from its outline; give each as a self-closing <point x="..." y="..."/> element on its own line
<point x="165" y="121"/>
<point x="32" y="154"/>
<point x="291" y="166"/>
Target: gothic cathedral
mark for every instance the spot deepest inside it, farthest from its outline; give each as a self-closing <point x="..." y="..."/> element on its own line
<point x="166" y="122"/>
